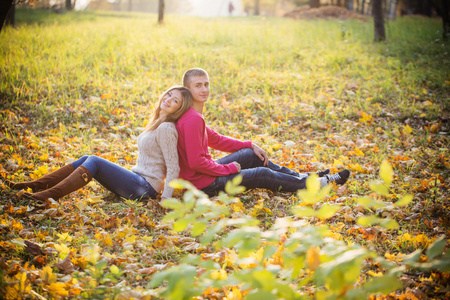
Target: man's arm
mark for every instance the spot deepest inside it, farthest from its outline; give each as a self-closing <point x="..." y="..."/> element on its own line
<point x="226" y="144"/>
<point x="261" y="154"/>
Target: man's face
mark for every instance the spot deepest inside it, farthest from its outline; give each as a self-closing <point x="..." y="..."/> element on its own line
<point x="199" y="88"/>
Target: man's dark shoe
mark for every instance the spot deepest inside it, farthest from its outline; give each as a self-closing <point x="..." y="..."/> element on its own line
<point x="323" y="173"/>
<point x="339" y="178"/>
<point x="320" y="173"/>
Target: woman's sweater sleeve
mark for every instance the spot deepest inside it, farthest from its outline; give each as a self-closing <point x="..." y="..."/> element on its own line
<point x="167" y="137"/>
<point x="197" y="154"/>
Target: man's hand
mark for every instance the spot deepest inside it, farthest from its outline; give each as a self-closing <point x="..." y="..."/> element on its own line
<point x="238" y="166"/>
<point x="261" y="154"/>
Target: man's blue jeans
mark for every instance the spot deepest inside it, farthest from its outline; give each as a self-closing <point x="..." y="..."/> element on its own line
<point x="117" y="179"/>
<point x="255" y="175"/>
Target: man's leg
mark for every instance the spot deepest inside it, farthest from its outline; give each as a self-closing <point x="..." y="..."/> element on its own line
<point x="248" y="160"/>
<point x="262" y="177"/>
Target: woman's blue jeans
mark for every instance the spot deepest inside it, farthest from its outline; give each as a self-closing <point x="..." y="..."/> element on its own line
<point x="255" y="175"/>
<point x="117" y="179"/>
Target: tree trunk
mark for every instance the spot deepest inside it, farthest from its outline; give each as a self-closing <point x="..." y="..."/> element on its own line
<point x="363" y="6"/>
<point x="275" y="8"/>
<point x="161" y="12"/>
<point x="378" y="20"/>
<point x="445" y="19"/>
<point x="256" y="7"/>
<point x="11" y="16"/>
<point x="69" y="5"/>
<point x="5" y="6"/>
<point x="350" y="5"/>
<point x="338" y="3"/>
<point x="130" y="5"/>
<point x="314" y="3"/>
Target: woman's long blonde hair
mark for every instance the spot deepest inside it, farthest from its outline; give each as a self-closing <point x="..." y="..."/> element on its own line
<point x="186" y="103"/>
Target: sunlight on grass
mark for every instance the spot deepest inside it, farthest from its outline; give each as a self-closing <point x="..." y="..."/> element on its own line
<point x="314" y="94"/>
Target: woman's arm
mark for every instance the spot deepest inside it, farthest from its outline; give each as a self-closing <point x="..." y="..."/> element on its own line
<point x="167" y="137"/>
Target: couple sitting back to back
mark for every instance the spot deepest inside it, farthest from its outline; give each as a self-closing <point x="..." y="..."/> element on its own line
<point x="177" y="125"/>
<point x="246" y="158"/>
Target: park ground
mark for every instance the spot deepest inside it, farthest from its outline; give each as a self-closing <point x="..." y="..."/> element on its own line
<point x="314" y="94"/>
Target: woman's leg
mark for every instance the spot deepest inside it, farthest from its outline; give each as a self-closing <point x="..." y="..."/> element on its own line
<point x="248" y="159"/>
<point x="80" y="161"/>
<point x="119" y="180"/>
<point x="48" y="180"/>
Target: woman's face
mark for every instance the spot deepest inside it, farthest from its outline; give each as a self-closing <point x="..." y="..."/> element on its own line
<point x="171" y="102"/>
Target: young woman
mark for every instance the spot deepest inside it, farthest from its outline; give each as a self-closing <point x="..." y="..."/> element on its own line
<point x="157" y="160"/>
<point x="247" y="159"/>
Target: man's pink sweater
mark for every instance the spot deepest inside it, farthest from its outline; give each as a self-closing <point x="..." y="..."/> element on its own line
<point x="196" y="164"/>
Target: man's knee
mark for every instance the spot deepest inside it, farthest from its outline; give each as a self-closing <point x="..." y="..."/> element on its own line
<point x="250" y="154"/>
<point x="247" y="151"/>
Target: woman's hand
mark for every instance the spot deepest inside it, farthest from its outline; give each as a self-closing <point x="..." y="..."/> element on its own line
<point x="238" y="166"/>
<point x="261" y="154"/>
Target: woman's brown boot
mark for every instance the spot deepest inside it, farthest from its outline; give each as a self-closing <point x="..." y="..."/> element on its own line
<point x="79" y="178"/>
<point x="47" y="181"/>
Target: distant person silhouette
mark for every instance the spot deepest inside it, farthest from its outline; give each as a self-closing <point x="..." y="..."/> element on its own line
<point x="230" y="8"/>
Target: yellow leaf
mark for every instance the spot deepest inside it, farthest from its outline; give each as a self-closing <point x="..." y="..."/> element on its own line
<point x="313" y="258"/>
<point x="57" y="289"/>
<point x="405" y="200"/>
<point x="365" y="118"/>
<point x="337" y="162"/>
<point x="374" y="274"/>
<point x="39" y="172"/>
<point x="17" y="226"/>
<point x="407" y="130"/>
<point x="131" y="239"/>
<point x="43" y="157"/>
<point x="62" y="249"/>
<point x="221" y="274"/>
<point x="65" y="237"/>
<point x="359" y="152"/>
<point x="435" y="127"/>
<point x="277" y="146"/>
<point x="312" y="184"/>
<point x="47" y="275"/>
<point x="386" y="172"/>
<point x="427" y="103"/>
<point x="62" y="127"/>
<point x="235" y="294"/>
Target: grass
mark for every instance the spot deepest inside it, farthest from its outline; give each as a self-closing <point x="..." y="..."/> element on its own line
<point x="85" y="82"/>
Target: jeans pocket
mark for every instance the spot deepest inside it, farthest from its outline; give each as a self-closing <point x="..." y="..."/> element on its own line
<point x="211" y="189"/>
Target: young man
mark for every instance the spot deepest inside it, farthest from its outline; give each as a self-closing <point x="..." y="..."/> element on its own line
<point x="247" y="159"/>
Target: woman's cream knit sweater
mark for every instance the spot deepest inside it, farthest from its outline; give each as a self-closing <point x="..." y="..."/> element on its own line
<point x="158" y="157"/>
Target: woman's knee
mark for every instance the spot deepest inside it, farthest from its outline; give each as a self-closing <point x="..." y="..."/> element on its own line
<point x="80" y="161"/>
<point x="84" y="157"/>
<point x="94" y="159"/>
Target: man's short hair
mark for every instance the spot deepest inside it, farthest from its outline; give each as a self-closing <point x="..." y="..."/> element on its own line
<point x="194" y="72"/>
